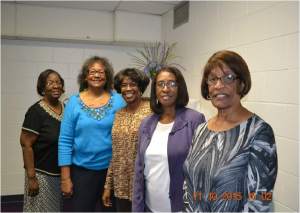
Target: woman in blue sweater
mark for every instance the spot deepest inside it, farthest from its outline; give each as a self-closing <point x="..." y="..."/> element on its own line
<point x="85" y="147"/>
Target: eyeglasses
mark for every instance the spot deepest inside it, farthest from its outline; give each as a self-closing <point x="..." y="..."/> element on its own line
<point x="125" y="85"/>
<point x="226" y="79"/>
<point x="52" y="83"/>
<point x="169" y="84"/>
<point x="95" y="72"/>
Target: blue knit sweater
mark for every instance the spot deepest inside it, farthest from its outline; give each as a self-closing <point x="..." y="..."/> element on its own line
<point x="85" y="140"/>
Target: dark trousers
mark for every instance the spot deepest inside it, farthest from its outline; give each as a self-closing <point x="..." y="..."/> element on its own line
<point x="87" y="190"/>
<point x="123" y="205"/>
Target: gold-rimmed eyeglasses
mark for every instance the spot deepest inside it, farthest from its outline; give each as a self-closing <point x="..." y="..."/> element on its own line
<point x="95" y="72"/>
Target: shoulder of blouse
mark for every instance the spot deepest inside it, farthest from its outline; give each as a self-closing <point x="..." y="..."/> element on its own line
<point x="189" y="114"/>
<point x="35" y="105"/>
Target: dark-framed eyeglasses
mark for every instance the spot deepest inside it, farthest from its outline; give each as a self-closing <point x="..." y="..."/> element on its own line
<point x="168" y="84"/>
<point x="52" y="83"/>
<point x="226" y="79"/>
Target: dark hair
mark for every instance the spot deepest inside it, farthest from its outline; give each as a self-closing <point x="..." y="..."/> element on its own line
<point x="139" y="77"/>
<point x="41" y="83"/>
<point x="235" y="62"/>
<point x="182" y="94"/>
<point x="108" y="69"/>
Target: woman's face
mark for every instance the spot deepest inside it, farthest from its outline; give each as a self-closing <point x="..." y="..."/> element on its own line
<point x="53" y="88"/>
<point x="166" y="89"/>
<point x="96" y="77"/>
<point x="222" y="87"/>
<point x="130" y="91"/>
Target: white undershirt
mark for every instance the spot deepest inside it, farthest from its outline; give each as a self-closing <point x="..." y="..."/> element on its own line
<point x="157" y="170"/>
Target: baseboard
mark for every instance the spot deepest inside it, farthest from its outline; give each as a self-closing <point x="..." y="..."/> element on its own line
<point x="11" y="198"/>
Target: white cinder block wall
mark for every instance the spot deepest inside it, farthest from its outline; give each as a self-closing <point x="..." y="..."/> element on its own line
<point x="22" y="61"/>
<point x="266" y="35"/>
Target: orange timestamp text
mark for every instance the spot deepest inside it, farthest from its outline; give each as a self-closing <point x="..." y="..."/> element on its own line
<point x="213" y="196"/>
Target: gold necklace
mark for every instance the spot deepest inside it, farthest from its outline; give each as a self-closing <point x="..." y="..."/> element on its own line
<point x="50" y="111"/>
<point x="56" y="110"/>
<point x="166" y="120"/>
<point x="94" y="101"/>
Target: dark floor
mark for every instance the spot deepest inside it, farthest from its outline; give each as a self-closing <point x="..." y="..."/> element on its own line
<point x="14" y="203"/>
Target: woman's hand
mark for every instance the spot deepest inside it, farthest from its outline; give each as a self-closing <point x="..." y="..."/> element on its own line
<point x="33" y="186"/>
<point x="106" y="198"/>
<point x="66" y="186"/>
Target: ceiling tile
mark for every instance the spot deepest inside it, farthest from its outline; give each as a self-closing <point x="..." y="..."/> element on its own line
<point x="151" y="7"/>
<point x="85" y="5"/>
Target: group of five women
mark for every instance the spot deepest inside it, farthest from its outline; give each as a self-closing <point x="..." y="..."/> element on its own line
<point x="140" y="154"/>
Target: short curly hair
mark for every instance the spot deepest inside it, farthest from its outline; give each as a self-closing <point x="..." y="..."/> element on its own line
<point x="41" y="83"/>
<point x="108" y="69"/>
<point x="137" y="76"/>
<point x="234" y="62"/>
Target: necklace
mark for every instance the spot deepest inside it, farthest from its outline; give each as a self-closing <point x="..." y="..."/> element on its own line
<point x="92" y="101"/>
<point x="90" y="94"/>
<point x="57" y="109"/>
<point x="165" y="119"/>
<point x="51" y="111"/>
<point x="99" y="97"/>
<point x="97" y="113"/>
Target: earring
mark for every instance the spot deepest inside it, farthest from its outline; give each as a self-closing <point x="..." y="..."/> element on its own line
<point x="242" y="88"/>
<point x="140" y="93"/>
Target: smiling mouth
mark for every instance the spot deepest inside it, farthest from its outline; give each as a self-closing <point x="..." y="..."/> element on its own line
<point x="166" y="97"/>
<point x="220" y="95"/>
<point x="128" y="95"/>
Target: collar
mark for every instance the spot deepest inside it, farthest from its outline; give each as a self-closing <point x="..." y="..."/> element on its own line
<point x="179" y="123"/>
